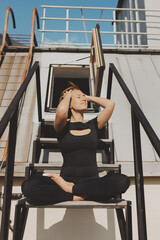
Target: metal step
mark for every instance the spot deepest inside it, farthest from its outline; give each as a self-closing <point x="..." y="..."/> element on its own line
<point x="104" y="146"/>
<point x="53" y="142"/>
<point x="58" y="165"/>
<point x="19" y="39"/>
<point x="111" y="204"/>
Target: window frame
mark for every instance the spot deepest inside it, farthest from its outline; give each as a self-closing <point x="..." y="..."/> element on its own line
<point x="97" y="63"/>
<point x="51" y="80"/>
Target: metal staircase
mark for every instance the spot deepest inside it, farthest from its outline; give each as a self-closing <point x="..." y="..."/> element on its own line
<point x="11" y="73"/>
<point x="13" y="69"/>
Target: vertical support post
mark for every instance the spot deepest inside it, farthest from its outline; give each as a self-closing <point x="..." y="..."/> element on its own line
<point x="142" y="231"/>
<point x="129" y="221"/>
<point x="9" y="177"/>
<point x="122" y="30"/>
<point x="121" y="223"/>
<point x="138" y="23"/>
<point x="24" y="215"/>
<point x="109" y="87"/>
<point x="112" y="152"/>
<point x="114" y="28"/>
<point x="17" y="222"/>
<point x="121" y="35"/>
<point x="43" y="24"/>
<point x="67" y="24"/>
<point x="131" y="18"/>
<point x="84" y="26"/>
<point x="39" y="94"/>
<point x="36" y="151"/>
<point x="126" y="27"/>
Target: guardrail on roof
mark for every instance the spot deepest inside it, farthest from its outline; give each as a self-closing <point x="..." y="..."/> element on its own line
<point x="119" y="27"/>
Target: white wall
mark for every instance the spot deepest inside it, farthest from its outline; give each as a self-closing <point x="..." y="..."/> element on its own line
<point x="153" y="28"/>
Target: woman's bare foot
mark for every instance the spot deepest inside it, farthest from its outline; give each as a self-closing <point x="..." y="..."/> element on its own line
<point x="66" y="186"/>
<point x="77" y="198"/>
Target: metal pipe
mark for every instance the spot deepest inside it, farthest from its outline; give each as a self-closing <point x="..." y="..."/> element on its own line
<point x="84" y="25"/>
<point x="127" y="37"/>
<point x="67" y="24"/>
<point x="100" y="20"/>
<point x="139" y="184"/>
<point x="39" y="94"/>
<point x="114" y="45"/>
<point x="5" y="27"/>
<point x="34" y="15"/>
<point x="102" y="8"/>
<point x="9" y="176"/>
<point x="138" y="23"/>
<point x="131" y="17"/>
<point x="102" y="32"/>
<point x="114" y="27"/>
<point x="137" y="118"/>
<point x="43" y="23"/>
<point x="109" y="86"/>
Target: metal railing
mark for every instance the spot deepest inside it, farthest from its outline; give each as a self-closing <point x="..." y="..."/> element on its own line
<point x="27" y="64"/>
<point x="138" y="118"/>
<point x="32" y="40"/>
<point x="11" y="116"/>
<point x="120" y="27"/>
<point x="5" y="27"/>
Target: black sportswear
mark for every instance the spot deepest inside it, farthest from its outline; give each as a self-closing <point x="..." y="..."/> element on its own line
<point x="79" y="167"/>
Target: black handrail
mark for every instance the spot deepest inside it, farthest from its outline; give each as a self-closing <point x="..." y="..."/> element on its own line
<point x="11" y="116"/>
<point x="137" y="117"/>
<point x="139" y="114"/>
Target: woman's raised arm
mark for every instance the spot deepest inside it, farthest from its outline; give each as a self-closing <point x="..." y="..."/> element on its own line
<point x="62" y="112"/>
<point x="106" y="113"/>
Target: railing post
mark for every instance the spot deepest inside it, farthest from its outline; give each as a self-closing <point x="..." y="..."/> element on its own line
<point x="5" y="27"/>
<point x="43" y="25"/>
<point x="114" y="27"/>
<point x="109" y="87"/>
<point x="9" y="176"/>
<point x="39" y="94"/>
<point x="142" y="231"/>
<point x="67" y="24"/>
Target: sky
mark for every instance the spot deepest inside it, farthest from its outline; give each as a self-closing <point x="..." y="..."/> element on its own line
<point x="23" y="16"/>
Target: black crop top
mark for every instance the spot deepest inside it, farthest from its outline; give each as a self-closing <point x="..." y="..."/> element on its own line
<point x="79" y="152"/>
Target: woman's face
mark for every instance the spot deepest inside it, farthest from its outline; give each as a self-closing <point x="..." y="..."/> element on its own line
<point x="78" y="100"/>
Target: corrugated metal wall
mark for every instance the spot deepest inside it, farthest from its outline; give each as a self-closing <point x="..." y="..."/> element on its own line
<point x="141" y="74"/>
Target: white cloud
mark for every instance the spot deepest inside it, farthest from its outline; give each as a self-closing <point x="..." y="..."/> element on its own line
<point x="73" y="41"/>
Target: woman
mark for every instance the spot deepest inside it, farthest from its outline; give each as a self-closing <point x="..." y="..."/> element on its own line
<point x="77" y="139"/>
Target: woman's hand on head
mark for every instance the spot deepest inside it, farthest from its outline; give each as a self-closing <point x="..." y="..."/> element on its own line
<point x="87" y="97"/>
<point x="67" y="93"/>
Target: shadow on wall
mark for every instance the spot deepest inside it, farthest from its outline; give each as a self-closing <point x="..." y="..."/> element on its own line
<point x="76" y="225"/>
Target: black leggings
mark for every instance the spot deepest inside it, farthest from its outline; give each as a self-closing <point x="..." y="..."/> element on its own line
<point x="43" y="190"/>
